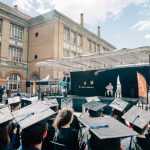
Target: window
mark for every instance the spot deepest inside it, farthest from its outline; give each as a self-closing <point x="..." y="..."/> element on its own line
<point x="79" y="40"/>
<point x="66" y="34"/>
<point x="98" y="48"/>
<point x="35" y="77"/>
<point x="16" y="32"/>
<point x="94" y="47"/>
<point x="73" y="39"/>
<point x="66" y="38"/>
<point x="89" y="45"/>
<point x="35" y="57"/>
<point x="15" y="54"/>
<point x="36" y="34"/>
<point x="0" y="26"/>
<point x="79" y="43"/>
<point x="13" y="81"/>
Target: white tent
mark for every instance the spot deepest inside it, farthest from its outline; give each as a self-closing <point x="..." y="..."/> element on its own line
<point x="46" y="80"/>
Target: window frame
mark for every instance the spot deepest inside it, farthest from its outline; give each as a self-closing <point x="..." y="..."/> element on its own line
<point x="16" y="31"/>
<point x="15" y="54"/>
<point x="13" y="81"/>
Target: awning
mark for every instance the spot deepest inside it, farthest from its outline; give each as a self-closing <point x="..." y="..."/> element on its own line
<point x="47" y="80"/>
<point x="108" y="60"/>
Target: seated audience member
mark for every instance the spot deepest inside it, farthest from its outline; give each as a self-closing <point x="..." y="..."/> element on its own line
<point x="5" y="117"/>
<point x="118" y="115"/>
<point x="47" y="145"/>
<point x="109" y="89"/>
<point x="95" y="108"/>
<point x="75" y="123"/>
<point x="32" y="120"/>
<point x="15" y="104"/>
<point x="102" y="144"/>
<point x="136" y="118"/>
<point x="64" y="133"/>
<point x="143" y="140"/>
<point x="93" y="141"/>
<point x="33" y="136"/>
<point x="97" y="113"/>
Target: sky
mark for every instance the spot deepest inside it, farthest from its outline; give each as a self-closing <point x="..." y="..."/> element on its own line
<point x="123" y="23"/>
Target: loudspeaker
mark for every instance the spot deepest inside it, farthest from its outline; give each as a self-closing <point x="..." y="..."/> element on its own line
<point x="28" y="83"/>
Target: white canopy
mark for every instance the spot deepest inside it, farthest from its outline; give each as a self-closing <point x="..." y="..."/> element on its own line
<point x="114" y="59"/>
<point x="46" y="79"/>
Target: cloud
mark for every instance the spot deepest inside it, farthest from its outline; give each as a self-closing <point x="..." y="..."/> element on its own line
<point x="142" y="25"/>
<point x="147" y="36"/>
<point x="94" y="10"/>
<point x="34" y="7"/>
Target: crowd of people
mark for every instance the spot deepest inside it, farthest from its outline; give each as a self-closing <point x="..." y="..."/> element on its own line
<point x="60" y="130"/>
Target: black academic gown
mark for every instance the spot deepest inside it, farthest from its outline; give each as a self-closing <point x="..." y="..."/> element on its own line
<point x="68" y="137"/>
<point x="47" y="145"/>
<point x="16" y="143"/>
<point x="106" y="144"/>
<point x="3" y="147"/>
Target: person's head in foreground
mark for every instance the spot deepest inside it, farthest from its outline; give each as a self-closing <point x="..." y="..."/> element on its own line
<point x="64" y="118"/>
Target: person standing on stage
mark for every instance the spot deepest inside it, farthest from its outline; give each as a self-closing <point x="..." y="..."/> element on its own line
<point x="109" y="89"/>
<point x="66" y="79"/>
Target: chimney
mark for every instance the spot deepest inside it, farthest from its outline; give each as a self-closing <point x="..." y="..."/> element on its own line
<point x="16" y="7"/>
<point x="98" y="31"/>
<point x="81" y="19"/>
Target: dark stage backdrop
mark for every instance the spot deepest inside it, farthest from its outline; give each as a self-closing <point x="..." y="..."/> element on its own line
<point x="101" y="79"/>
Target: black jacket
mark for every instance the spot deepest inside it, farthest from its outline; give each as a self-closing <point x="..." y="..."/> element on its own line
<point x="68" y="137"/>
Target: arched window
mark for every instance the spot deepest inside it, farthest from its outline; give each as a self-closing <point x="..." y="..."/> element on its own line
<point x="35" y="77"/>
<point x="14" y="81"/>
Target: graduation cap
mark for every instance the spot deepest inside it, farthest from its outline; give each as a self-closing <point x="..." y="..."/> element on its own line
<point x="137" y="116"/>
<point x="5" y="116"/>
<point x="14" y="100"/>
<point x="94" y="98"/>
<point x="28" y="100"/>
<point x="31" y="99"/>
<point x="51" y="103"/>
<point x="95" y="108"/>
<point x="119" y="104"/>
<point x="106" y="127"/>
<point x="32" y="114"/>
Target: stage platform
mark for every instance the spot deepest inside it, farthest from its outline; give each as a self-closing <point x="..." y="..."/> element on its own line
<point x="78" y="101"/>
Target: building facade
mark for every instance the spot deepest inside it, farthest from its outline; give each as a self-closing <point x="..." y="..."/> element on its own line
<point x="24" y="41"/>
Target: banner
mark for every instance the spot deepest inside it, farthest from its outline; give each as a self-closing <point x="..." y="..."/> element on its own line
<point x="142" y="85"/>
